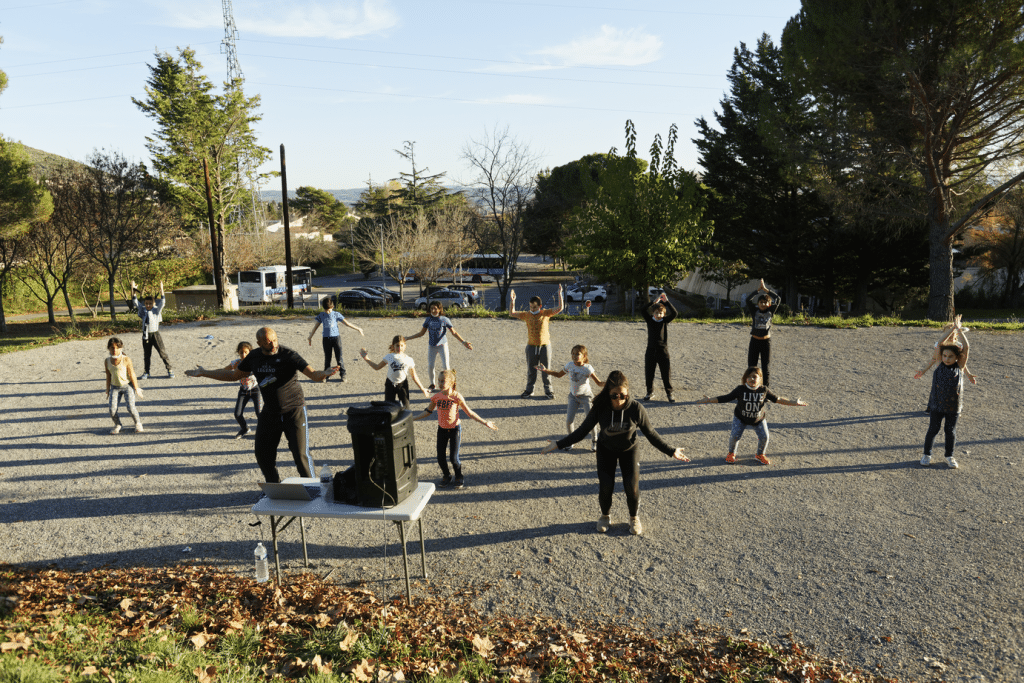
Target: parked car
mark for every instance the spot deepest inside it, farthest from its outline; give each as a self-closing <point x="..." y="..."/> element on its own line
<point x="595" y="293"/>
<point x="390" y="296"/>
<point x="355" y="298"/>
<point x="472" y="295"/>
<point x="652" y="294"/>
<point x="447" y="298"/>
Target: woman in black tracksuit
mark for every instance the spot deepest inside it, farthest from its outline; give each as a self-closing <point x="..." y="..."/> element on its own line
<point x="619" y="417"/>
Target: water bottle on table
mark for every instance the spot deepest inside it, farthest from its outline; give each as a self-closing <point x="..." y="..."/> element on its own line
<point x="325" y="482"/>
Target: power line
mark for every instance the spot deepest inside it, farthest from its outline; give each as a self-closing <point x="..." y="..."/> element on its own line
<point x="486" y="74"/>
<point x="482" y="59"/>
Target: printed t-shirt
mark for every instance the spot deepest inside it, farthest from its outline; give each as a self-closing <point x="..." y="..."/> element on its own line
<point x="750" y="403"/>
<point x="248" y="382"/>
<point x="398" y="367"/>
<point x="537" y="326"/>
<point x="276" y="377"/>
<point x="447" y="410"/>
<point x="579" y="379"/>
<point x="437" y="329"/>
<point x="330" y="320"/>
<point x="118" y="372"/>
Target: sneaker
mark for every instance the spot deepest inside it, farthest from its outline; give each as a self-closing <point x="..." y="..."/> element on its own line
<point x="145" y="375"/>
<point x="116" y="429"/>
<point x="604" y="523"/>
<point x="952" y="464"/>
<point x="343" y="379"/>
<point x="593" y="446"/>
<point x="731" y="458"/>
<point x="635" y="527"/>
<point x="669" y="398"/>
<point x="170" y="375"/>
<point x="459" y="482"/>
<point x="550" y="395"/>
<point x="525" y="394"/>
<point x="762" y="459"/>
<point x="431" y="388"/>
<point x="446" y="480"/>
<point x="138" y="428"/>
<point x="242" y="432"/>
<point x="926" y="460"/>
<point x="648" y="397"/>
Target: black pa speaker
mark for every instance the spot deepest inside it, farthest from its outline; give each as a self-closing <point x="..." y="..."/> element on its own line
<point x="384" y="447"/>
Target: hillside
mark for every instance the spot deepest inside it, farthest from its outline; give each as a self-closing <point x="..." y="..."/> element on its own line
<point x="44" y="162"/>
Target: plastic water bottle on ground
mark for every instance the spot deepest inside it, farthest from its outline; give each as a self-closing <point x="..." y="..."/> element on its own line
<point x="262" y="567"/>
<point x="325" y="481"/>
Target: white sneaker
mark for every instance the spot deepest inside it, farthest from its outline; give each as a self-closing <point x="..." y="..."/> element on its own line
<point x="952" y="464"/>
<point x="138" y="428"/>
<point x="926" y="460"/>
<point x="116" y="429"/>
<point x="635" y="527"/>
<point x="604" y="523"/>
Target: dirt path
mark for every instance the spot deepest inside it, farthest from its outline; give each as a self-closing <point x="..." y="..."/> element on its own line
<point x="844" y="541"/>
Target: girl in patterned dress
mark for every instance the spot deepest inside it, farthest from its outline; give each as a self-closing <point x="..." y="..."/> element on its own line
<point x="946" y="399"/>
<point x="247" y="391"/>
<point x="953" y="339"/>
<point x="449" y="402"/>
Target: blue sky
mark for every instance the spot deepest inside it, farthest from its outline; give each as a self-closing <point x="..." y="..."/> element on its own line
<point x="345" y="83"/>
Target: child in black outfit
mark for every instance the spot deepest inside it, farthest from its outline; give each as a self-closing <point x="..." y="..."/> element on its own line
<point x="751" y="399"/>
<point x="761" y="328"/>
<point x="658" y="314"/>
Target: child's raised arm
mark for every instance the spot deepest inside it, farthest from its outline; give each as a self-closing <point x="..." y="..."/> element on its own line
<point x="312" y="332"/>
<point x="469" y="411"/>
<point x="597" y="380"/>
<point x="375" y="366"/>
<point x="412" y="373"/>
<point x="351" y="326"/>
<point x="553" y="373"/>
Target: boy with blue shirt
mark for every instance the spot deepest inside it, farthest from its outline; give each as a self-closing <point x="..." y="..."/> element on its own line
<point x="330" y="318"/>
<point x="438" y="325"/>
<point x="151" y="318"/>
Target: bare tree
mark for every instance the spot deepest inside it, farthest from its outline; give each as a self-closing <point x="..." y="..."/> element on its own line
<point x="51" y="256"/>
<point x="505" y="175"/>
<point x="115" y="215"/>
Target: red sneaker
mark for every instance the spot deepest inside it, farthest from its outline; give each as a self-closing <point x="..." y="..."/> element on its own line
<point x="731" y="458"/>
<point x="762" y="459"/>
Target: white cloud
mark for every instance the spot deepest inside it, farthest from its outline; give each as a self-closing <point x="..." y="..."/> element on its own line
<point x="609" y="47"/>
<point x="333" y="20"/>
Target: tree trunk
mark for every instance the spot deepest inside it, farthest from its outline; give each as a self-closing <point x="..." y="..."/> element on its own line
<point x="940" y="280"/>
<point x="51" y="316"/>
<point x="860" y="294"/>
<point x="3" y="318"/>
<point x="110" y="289"/>
<point x="67" y="302"/>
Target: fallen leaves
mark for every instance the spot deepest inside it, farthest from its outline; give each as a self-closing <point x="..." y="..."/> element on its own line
<point x="373" y="638"/>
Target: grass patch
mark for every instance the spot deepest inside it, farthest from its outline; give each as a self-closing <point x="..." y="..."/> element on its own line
<point x="197" y="624"/>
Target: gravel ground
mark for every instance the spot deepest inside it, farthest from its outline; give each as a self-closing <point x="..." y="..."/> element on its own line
<point x="843" y="542"/>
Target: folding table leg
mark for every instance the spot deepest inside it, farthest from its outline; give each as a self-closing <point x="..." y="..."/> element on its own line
<point x="277" y="559"/>
<point x="302" y="532"/>
<point x="405" y="561"/>
<point x="423" y="550"/>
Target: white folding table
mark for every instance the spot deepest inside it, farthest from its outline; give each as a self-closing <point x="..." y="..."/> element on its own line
<point x="409" y="510"/>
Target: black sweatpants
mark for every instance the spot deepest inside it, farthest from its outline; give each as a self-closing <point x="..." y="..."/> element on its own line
<point x="762" y="348"/>
<point x="658" y="356"/>
<point x="148" y="342"/>
<point x="291" y="423"/>
<point x="629" y="463"/>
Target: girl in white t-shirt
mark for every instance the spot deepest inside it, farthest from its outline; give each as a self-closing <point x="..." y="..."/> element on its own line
<point x="580" y="373"/>
<point x="400" y="368"/>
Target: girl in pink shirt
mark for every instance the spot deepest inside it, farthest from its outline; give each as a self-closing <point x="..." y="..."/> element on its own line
<point x="448" y="403"/>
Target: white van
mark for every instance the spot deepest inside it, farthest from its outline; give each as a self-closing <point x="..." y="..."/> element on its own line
<point x="267" y="284"/>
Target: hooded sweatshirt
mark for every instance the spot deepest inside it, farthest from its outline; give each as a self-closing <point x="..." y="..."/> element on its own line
<point x="618" y="428"/>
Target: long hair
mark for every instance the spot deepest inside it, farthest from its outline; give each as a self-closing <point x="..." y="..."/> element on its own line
<point x="616" y="380"/>
<point x="444" y="376"/>
<point x="395" y="341"/>
<point x="583" y="353"/>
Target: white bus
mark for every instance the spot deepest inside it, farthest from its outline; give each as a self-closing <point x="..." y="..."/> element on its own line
<point x="267" y="284"/>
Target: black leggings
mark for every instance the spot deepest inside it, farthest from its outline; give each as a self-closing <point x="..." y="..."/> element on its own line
<point x="243" y="397"/>
<point x="657" y="356"/>
<point x="332" y="345"/>
<point x="933" y="430"/>
<point x="397" y="392"/>
<point x="762" y="348"/>
<point x="629" y="464"/>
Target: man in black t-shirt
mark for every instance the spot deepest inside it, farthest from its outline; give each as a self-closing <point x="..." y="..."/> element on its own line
<point x="284" y="405"/>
